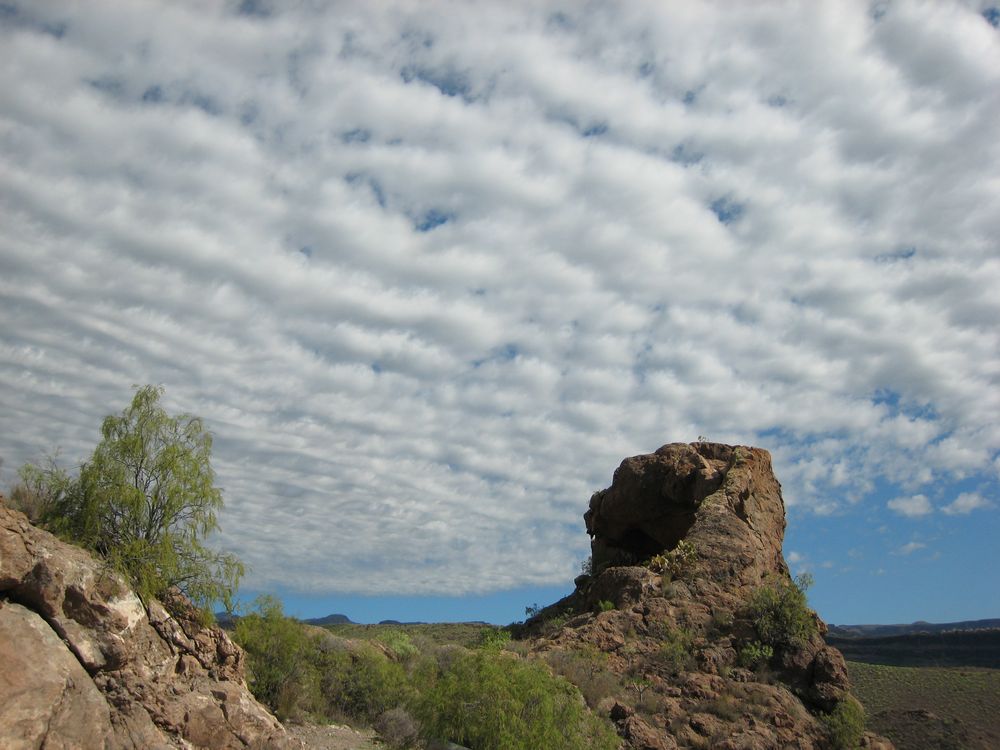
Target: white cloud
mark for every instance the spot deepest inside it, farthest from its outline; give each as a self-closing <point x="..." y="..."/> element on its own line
<point x="966" y="503"/>
<point x="910" y="547"/>
<point x="430" y="272"/>
<point x="912" y="507"/>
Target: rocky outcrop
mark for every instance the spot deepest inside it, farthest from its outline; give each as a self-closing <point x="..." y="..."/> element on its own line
<point x="673" y="625"/>
<point x="85" y="664"/>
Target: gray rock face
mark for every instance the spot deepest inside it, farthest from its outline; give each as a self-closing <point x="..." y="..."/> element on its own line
<point x="84" y="664"/>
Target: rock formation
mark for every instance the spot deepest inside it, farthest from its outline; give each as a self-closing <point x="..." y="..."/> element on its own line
<point x="723" y="505"/>
<point x="85" y="664"/>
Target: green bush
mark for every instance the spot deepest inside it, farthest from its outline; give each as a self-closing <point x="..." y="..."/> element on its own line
<point x="604" y="606"/>
<point x="398" y="643"/>
<point x="361" y="684"/>
<point x="845" y="725"/>
<point x="493" y="638"/>
<point x="675" y="563"/>
<point x="676" y="650"/>
<point x="780" y="613"/>
<point x="754" y="655"/>
<point x="587" y="668"/>
<point x="279" y="657"/>
<point x="495" y="701"/>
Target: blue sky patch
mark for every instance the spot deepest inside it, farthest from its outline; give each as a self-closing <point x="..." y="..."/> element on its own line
<point x="432" y="220"/>
<point x="449" y="82"/>
<point x="356" y="135"/>
<point x="897" y="255"/>
<point x="726" y="210"/>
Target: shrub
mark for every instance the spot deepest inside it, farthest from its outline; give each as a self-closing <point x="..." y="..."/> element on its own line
<point x="278" y="655"/>
<point x="604" y="606"/>
<point x="363" y="684"/>
<point x="397" y="729"/>
<point x="845" y="725"/>
<point x="493" y="638"/>
<point x="676" y="562"/>
<point x="398" y="643"/>
<point x="41" y="488"/>
<point x="676" y="650"/>
<point x="496" y="701"/>
<point x="754" y="655"/>
<point x="780" y="614"/>
<point x="586" y="667"/>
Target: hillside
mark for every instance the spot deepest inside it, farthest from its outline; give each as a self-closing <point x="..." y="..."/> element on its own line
<point x="914" y="628"/>
<point x="920" y="708"/>
<point x="961" y="648"/>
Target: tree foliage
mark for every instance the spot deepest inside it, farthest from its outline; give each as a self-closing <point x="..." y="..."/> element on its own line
<point x="146" y="500"/>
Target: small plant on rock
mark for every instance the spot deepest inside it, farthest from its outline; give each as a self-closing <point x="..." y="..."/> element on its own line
<point x="754" y="655"/>
<point x="676" y="652"/>
<point x="604" y="606"/>
<point x="676" y="562"/>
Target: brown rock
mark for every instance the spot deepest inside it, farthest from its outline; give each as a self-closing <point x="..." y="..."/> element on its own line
<point x="641" y="736"/>
<point x="46" y="697"/>
<point x="679" y="631"/>
<point x="106" y="671"/>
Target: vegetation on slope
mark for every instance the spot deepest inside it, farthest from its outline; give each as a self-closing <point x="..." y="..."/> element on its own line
<point x="484" y="696"/>
<point x="922" y="707"/>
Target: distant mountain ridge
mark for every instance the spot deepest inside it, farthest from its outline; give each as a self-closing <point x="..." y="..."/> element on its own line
<point x="329" y="620"/>
<point x="881" y="631"/>
<point x="971" y="643"/>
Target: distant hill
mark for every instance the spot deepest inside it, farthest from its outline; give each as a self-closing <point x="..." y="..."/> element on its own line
<point x="228" y="621"/>
<point x="329" y="620"/>
<point x="875" y="631"/>
<point x="973" y="643"/>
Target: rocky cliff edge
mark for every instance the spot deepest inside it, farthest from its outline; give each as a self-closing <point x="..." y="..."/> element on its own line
<point x="85" y="664"/>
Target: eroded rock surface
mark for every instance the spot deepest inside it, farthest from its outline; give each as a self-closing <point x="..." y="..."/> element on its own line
<point x="84" y="664"/>
<point x="725" y="502"/>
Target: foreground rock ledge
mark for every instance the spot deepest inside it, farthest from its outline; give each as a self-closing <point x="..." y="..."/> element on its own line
<point x="725" y="502"/>
<point x="84" y="664"/>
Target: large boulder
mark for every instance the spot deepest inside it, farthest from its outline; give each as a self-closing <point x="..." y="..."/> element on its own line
<point x="677" y="621"/>
<point x="723" y="499"/>
<point x="85" y="664"/>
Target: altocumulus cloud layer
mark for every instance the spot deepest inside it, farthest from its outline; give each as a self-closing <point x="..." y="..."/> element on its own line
<point x="429" y="271"/>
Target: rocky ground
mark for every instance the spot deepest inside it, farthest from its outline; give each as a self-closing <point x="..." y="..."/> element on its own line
<point x="332" y="737"/>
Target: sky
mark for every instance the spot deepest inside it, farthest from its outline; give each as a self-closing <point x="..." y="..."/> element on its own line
<point x="430" y="271"/>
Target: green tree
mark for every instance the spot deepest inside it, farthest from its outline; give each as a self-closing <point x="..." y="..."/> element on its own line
<point x="147" y="500"/>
